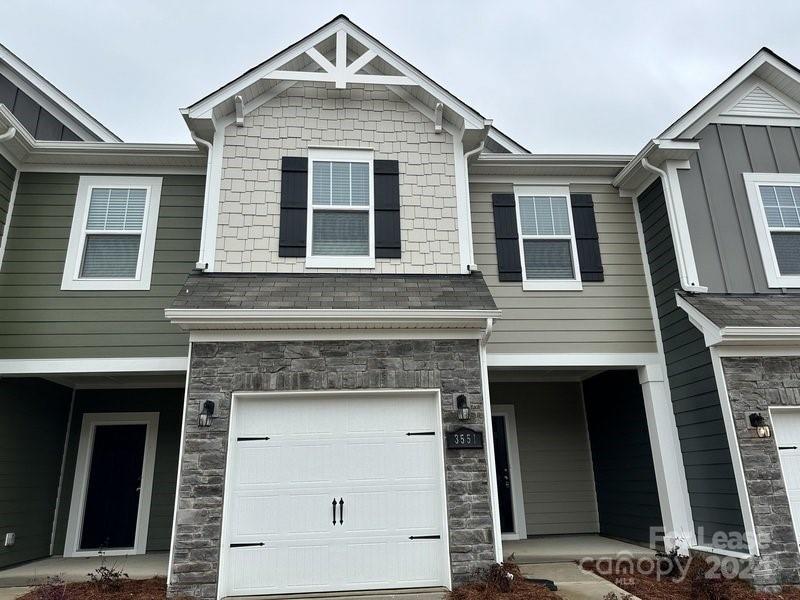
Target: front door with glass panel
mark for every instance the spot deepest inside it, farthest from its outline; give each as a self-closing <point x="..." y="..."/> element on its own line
<point x="112" y="494"/>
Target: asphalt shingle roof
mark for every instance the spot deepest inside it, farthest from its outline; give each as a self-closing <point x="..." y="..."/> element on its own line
<point x="269" y="291"/>
<point x="750" y="310"/>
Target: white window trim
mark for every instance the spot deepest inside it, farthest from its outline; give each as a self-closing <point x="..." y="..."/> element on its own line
<point x="548" y="284"/>
<point x="346" y="262"/>
<point x="752" y="181"/>
<point x="81" y="481"/>
<point x="71" y="279"/>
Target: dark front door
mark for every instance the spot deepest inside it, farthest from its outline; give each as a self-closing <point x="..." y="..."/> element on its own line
<point x="503" y="474"/>
<point x="112" y="496"/>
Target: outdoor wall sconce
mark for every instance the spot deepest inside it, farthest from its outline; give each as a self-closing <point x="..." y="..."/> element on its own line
<point x="463" y="408"/>
<point x="760" y="424"/>
<point x="206" y="414"/>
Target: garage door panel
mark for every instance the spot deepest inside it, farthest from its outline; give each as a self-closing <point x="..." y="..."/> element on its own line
<point x="418" y="562"/>
<point x="418" y="458"/>
<point x="252" y="516"/>
<point x="417" y="518"/>
<point x="251" y="563"/>
<point x="368" y="564"/>
<point x="787" y="437"/>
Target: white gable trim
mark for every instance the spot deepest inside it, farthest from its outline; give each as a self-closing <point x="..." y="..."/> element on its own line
<point x="698" y="116"/>
<point x="760" y="99"/>
<point x="52" y="99"/>
<point x="339" y="73"/>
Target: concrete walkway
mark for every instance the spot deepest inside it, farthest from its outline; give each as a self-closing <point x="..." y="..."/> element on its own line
<point x="573" y="582"/>
<point x="141" y="566"/>
<point x="568" y="548"/>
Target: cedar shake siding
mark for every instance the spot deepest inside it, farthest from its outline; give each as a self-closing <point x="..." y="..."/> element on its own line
<point x="364" y="116"/>
<point x="695" y="401"/>
<point x="717" y="208"/>
<point x="612" y="315"/>
<point x="32" y="432"/>
<point x="39" y="320"/>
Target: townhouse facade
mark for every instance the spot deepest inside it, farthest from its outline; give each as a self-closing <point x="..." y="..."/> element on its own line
<point x="356" y="338"/>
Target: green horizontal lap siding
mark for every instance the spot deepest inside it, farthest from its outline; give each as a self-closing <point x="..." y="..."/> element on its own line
<point x="7" y="173"/>
<point x="625" y="479"/>
<point x="166" y="402"/>
<point x="32" y="430"/>
<point x="695" y="401"/>
<point x="39" y="320"/>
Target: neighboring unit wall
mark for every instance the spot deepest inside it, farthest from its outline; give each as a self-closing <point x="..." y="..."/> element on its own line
<point x="166" y="402"/>
<point x="627" y="495"/>
<point x="32" y="430"/>
<point x="609" y="316"/>
<point x="7" y="174"/>
<point x="698" y="415"/>
<point x="554" y="456"/>
<point x="362" y="116"/>
<point x="717" y="209"/>
<point x="39" y="320"/>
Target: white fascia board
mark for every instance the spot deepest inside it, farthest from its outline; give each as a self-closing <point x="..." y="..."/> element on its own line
<point x="656" y="151"/>
<point x="574" y="359"/>
<point x="46" y="366"/>
<point x="51" y="98"/>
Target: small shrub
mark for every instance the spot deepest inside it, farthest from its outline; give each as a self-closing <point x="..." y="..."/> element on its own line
<point x="106" y="577"/>
<point x="54" y="588"/>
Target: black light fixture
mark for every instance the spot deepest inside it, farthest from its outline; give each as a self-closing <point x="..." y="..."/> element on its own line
<point x="760" y="423"/>
<point x="206" y="414"/>
<point x="463" y="408"/>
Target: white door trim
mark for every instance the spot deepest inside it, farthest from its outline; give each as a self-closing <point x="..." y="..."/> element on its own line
<point x="512" y="449"/>
<point x="81" y="480"/>
<point x="435" y="393"/>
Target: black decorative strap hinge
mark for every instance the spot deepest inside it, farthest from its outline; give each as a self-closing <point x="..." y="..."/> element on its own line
<point x="424" y="537"/>
<point x="252" y="439"/>
<point x="421" y="433"/>
<point x="787" y="447"/>
<point x="247" y="544"/>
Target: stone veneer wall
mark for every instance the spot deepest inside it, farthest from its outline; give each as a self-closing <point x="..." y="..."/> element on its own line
<point x="218" y="369"/>
<point x="317" y="114"/>
<point x="755" y="384"/>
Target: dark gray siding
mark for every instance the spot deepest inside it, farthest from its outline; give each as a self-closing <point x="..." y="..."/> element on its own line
<point x="720" y="222"/>
<point x="39" y="123"/>
<point x="32" y="430"/>
<point x="695" y="401"/>
<point x="625" y="479"/>
<point x="7" y="174"/>
<point x="166" y="402"/>
<point x="39" y="320"/>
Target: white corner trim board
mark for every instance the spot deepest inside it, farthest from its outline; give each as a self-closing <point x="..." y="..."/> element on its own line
<point x="91" y="421"/>
<point x="573" y="359"/>
<point x="51" y="366"/>
<point x="9" y="214"/>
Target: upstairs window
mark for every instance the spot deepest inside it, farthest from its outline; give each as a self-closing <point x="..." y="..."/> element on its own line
<point x="775" y="204"/>
<point x="547" y="239"/>
<point x="112" y="240"/>
<point x="341" y="223"/>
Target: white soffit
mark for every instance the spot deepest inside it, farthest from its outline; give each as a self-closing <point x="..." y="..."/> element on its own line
<point x="340" y="53"/>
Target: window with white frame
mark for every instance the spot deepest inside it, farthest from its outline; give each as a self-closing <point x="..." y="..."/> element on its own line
<point x="775" y="203"/>
<point x="340" y="224"/>
<point x="549" y="255"/>
<point x="112" y="239"/>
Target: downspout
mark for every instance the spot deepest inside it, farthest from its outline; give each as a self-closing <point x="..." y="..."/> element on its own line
<point x="202" y="263"/>
<point x="494" y="502"/>
<point x="688" y="276"/>
<point x="472" y="266"/>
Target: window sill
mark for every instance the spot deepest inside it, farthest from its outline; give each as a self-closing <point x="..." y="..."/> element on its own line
<point x="782" y="281"/>
<point x="553" y="285"/>
<point x="99" y="285"/>
<point x="340" y="262"/>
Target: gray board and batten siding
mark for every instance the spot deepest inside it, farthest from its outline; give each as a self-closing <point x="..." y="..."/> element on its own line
<point x="35" y="118"/>
<point x="39" y="320"/>
<point x="717" y="208"/>
<point x="612" y="315"/>
<point x="713" y="494"/>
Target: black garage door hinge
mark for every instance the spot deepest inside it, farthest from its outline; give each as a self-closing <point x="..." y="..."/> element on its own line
<point x="247" y="544"/>
<point x="424" y="537"/>
<point x="421" y="433"/>
<point x="787" y="447"/>
<point x="252" y="439"/>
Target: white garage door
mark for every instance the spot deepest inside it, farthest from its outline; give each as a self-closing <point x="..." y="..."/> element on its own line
<point x="377" y="456"/>
<point x="787" y="437"/>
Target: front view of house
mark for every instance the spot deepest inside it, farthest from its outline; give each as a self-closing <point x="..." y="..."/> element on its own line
<point x="356" y="338"/>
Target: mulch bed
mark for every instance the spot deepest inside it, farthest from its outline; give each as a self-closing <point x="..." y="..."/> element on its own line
<point x="128" y="589"/>
<point x="695" y="586"/>
<point x="494" y="584"/>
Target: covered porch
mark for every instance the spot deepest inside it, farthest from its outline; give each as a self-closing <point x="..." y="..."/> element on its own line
<point x="574" y="456"/>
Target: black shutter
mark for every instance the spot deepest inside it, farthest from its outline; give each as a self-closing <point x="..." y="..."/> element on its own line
<point x="586" y="238"/>
<point x="387" y="208"/>
<point x="294" y="206"/>
<point x="506" y="237"/>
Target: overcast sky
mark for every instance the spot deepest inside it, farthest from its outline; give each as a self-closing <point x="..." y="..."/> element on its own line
<point x="557" y="76"/>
